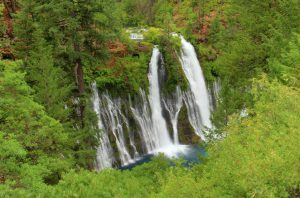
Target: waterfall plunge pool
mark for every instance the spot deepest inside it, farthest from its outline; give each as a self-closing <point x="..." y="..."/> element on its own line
<point x="189" y="153"/>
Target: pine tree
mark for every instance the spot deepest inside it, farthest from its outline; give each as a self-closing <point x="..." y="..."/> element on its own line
<point x="24" y="26"/>
<point x="22" y="119"/>
<point x="51" y="86"/>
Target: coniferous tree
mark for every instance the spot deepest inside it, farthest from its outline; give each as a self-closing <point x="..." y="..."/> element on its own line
<point x="22" y="119"/>
<point x="24" y="26"/>
<point x="52" y="88"/>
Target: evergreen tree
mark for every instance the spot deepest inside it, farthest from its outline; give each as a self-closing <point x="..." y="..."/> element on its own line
<point x="24" y="26"/>
<point x="22" y="119"/>
<point x="286" y="66"/>
<point x="50" y="83"/>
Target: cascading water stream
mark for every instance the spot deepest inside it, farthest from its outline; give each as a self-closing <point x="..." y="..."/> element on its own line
<point x="104" y="157"/>
<point x="142" y="116"/>
<point x="114" y="121"/>
<point x="131" y="135"/>
<point x="197" y="100"/>
<point x="173" y="106"/>
<point x="158" y="121"/>
<point x="194" y="115"/>
<point x="132" y="144"/>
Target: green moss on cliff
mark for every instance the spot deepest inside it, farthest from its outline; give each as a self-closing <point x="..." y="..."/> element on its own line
<point x="127" y="75"/>
<point x="170" y="47"/>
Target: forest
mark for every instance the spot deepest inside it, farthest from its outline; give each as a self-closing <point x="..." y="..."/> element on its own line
<point x="88" y="87"/>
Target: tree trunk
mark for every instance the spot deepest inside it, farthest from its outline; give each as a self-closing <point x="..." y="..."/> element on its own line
<point x="10" y="7"/>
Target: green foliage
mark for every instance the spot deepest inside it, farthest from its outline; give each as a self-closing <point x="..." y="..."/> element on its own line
<point x="11" y="154"/>
<point x="255" y="158"/>
<point x="153" y="35"/>
<point x="180" y="182"/>
<point x="170" y="47"/>
<point x="140" y="182"/>
<point x="126" y="76"/>
<point x="164" y="15"/>
<point x="25" y="27"/>
<point x="286" y="66"/>
<point x="25" y="121"/>
<point x="49" y="82"/>
<point x="135" y="10"/>
<point x="113" y="183"/>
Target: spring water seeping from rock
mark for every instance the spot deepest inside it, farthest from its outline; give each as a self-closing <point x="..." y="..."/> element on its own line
<point x="173" y="106"/>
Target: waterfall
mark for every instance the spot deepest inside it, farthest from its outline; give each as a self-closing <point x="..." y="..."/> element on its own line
<point x="194" y="114"/>
<point x="159" y="123"/>
<point x="131" y="135"/>
<point x="173" y="106"/>
<point x="197" y="99"/>
<point x="104" y="157"/>
<point x="147" y="112"/>
<point x="142" y="116"/>
<point x="132" y="144"/>
<point x="114" y="122"/>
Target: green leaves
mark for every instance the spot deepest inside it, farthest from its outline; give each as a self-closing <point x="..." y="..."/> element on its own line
<point x="34" y="134"/>
<point x="10" y="148"/>
<point x="287" y="66"/>
<point x="127" y="75"/>
<point x="101" y="18"/>
<point x="258" y="157"/>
